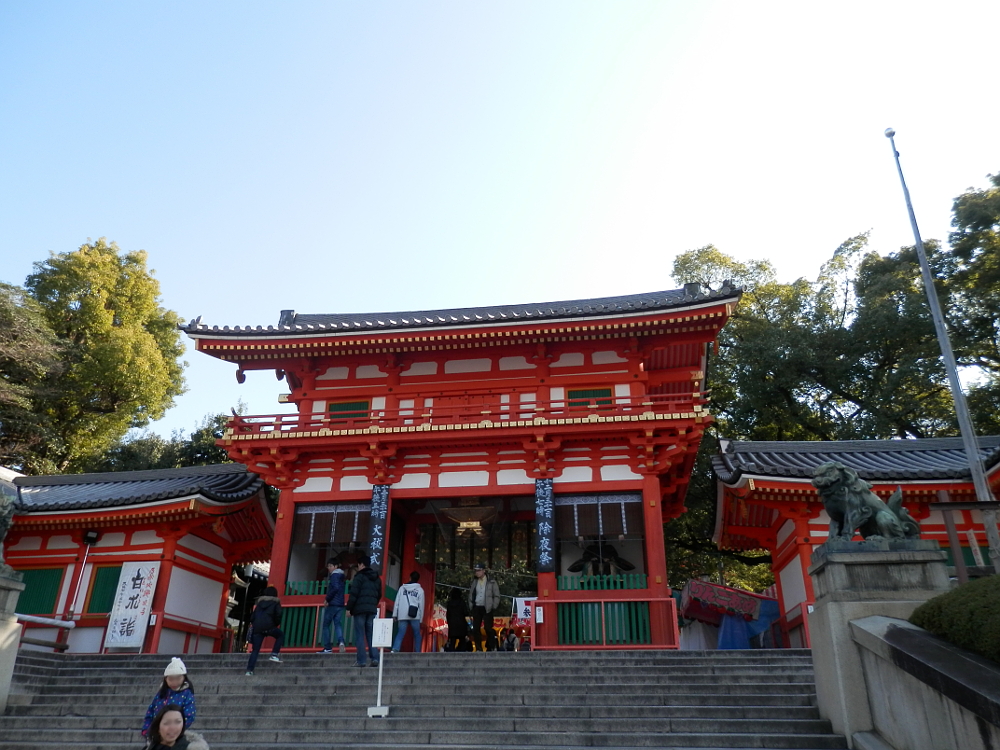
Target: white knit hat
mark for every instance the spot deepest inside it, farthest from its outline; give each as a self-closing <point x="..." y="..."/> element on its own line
<point x="175" y="667"/>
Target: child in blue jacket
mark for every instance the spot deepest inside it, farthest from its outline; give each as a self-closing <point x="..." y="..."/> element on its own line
<point x="175" y="690"/>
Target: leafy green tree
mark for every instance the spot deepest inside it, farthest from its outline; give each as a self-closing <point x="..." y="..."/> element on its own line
<point x="148" y="450"/>
<point x="29" y="363"/>
<point x="975" y="287"/>
<point x="120" y="350"/>
<point x="850" y="355"/>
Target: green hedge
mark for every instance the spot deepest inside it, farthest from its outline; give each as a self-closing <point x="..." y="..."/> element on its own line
<point x="968" y="617"/>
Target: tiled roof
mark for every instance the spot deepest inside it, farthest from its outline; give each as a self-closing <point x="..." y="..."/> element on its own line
<point x="225" y="483"/>
<point x="303" y="323"/>
<point x="874" y="460"/>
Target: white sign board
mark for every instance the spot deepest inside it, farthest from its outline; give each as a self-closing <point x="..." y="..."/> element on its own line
<point x="522" y="611"/>
<point x="131" y="608"/>
<point x="382" y="633"/>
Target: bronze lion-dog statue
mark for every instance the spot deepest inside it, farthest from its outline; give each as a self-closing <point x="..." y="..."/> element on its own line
<point x="852" y="506"/>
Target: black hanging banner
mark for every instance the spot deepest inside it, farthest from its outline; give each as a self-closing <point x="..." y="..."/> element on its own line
<point x="545" y="531"/>
<point x="380" y="510"/>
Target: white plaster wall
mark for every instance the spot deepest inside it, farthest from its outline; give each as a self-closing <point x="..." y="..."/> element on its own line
<point x="464" y="479"/>
<point x="793" y="585"/>
<point x="606" y="358"/>
<point x="786" y="530"/>
<point x="27" y="543"/>
<point x="171" y="642"/>
<point x="315" y="484"/>
<point x="508" y="477"/>
<point x="45" y="634"/>
<point x="334" y="373"/>
<point x="86" y="640"/>
<point x="569" y="359"/>
<point x="204" y="644"/>
<point x="618" y="473"/>
<point x="354" y="482"/>
<point x="116" y="539"/>
<point x="575" y="474"/>
<point x="193" y="596"/>
<point x="147" y="536"/>
<point x="413" y="482"/>
<point x="468" y="365"/>
<point x="204" y="547"/>
<point x="301" y="564"/>
<point x="370" y="371"/>
<point x="66" y="542"/>
<point x="421" y="368"/>
<point x="515" y="363"/>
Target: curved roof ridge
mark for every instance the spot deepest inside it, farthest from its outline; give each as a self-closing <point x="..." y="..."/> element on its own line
<point x="291" y="321"/>
<point x="876" y="460"/>
<point x="143" y="475"/>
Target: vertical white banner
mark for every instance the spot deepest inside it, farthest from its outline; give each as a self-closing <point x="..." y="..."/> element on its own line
<point x="133" y="602"/>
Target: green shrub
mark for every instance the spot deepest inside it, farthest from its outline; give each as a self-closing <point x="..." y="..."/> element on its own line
<point x="968" y="617"/>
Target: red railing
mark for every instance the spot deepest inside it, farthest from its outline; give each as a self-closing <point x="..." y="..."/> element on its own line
<point x="458" y="416"/>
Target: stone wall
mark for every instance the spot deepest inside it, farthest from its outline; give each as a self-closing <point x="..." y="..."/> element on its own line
<point x="925" y="694"/>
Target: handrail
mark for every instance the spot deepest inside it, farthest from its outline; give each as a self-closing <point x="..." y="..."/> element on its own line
<point x="443" y="416"/>
<point x="70" y="624"/>
<point x="60" y="645"/>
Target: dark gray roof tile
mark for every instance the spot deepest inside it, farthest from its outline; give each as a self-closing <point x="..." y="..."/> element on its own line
<point x="874" y="460"/>
<point x="291" y="321"/>
<point x="225" y="483"/>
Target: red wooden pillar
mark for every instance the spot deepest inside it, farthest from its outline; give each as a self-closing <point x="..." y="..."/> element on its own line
<point x="282" y="545"/>
<point x="656" y="558"/>
<point x="167" y="558"/>
<point x="75" y="579"/>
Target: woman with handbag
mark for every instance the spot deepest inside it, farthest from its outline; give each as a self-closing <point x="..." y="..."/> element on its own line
<point x="409" y="612"/>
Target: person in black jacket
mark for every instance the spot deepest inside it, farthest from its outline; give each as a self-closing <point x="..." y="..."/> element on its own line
<point x="458" y="623"/>
<point x="264" y="621"/>
<point x="362" y="603"/>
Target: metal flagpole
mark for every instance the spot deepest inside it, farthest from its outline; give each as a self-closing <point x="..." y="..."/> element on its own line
<point x="965" y="426"/>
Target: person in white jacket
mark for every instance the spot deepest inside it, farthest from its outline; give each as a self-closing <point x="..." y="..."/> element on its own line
<point x="409" y="611"/>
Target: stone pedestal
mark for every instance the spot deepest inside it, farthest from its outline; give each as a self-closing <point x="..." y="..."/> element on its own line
<point x="10" y="631"/>
<point x="852" y="580"/>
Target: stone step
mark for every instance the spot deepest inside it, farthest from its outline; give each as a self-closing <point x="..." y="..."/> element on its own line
<point x="498" y="722"/>
<point x="26" y="716"/>
<point x="537" y="700"/>
<point x="70" y="702"/>
<point x="503" y="745"/>
<point x="372" y="735"/>
<point x="287" y="680"/>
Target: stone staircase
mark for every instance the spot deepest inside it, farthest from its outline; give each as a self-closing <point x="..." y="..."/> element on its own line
<point x="557" y="701"/>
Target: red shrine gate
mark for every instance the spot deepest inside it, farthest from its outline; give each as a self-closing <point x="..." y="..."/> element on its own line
<point x="562" y="433"/>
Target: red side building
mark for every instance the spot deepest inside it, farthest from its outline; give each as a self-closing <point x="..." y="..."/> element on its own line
<point x="558" y="436"/>
<point x="767" y="501"/>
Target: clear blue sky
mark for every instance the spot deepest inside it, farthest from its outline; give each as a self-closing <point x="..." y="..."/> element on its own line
<point x="349" y="156"/>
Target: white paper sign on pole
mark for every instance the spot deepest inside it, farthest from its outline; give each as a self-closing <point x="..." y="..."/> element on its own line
<point x="133" y="602"/>
<point x="382" y="633"/>
<point x="522" y="611"/>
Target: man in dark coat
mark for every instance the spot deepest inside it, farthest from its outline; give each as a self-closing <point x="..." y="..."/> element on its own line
<point x="265" y="620"/>
<point x="366" y="593"/>
<point x="334" y="612"/>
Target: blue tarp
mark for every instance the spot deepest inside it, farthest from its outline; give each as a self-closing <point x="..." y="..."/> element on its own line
<point x="735" y="632"/>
